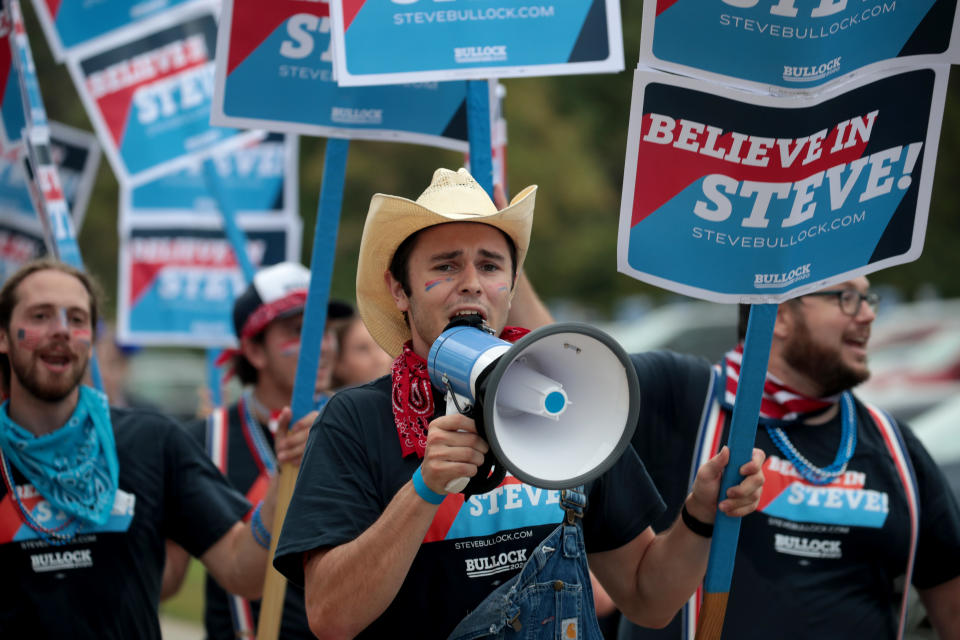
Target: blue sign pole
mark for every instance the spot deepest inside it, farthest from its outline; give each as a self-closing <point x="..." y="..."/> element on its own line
<point x="311" y="337"/>
<point x="213" y="377"/>
<point x="321" y="275"/>
<point x="478" y="131"/>
<point x="238" y="241"/>
<point x="743" y="433"/>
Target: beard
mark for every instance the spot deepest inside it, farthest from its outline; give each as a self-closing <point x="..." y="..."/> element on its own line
<point x="25" y="365"/>
<point x="821" y="363"/>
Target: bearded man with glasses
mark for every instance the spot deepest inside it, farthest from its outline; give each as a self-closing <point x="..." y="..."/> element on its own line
<point x="853" y="507"/>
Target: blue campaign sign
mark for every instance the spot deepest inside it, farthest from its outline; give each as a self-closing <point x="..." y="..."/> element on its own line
<point x="257" y="179"/>
<point x="149" y="98"/>
<point x="793" y="45"/>
<point x="70" y="24"/>
<point x="736" y="197"/>
<point x="456" y="39"/>
<point x="274" y="71"/>
<point x="177" y="285"/>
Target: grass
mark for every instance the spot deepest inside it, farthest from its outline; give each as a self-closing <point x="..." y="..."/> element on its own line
<point x="187" y="604"/>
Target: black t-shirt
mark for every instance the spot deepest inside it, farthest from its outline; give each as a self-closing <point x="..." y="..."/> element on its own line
<point x="353" y="467"/>
<point x="243" y="473"/>
<point x="813" y="562"/>
<point x="105" y="583"/>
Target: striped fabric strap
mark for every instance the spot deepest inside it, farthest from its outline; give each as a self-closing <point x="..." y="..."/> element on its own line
<point x="218" y="436"/>
<point x="893" y="440"/>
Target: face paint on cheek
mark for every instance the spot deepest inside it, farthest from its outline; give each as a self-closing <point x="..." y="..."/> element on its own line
<point x="502" y="288"/>
<point x="82" y="336"/>
<point x="29" y="339"/>
<point x="431" y="284"/>
<point x="290" y="347"/>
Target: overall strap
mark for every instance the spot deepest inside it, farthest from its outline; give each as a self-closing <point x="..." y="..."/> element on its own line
<point x="707" y="445"/>
<point x="218" y="437"/>
<point x="896" y="447"/>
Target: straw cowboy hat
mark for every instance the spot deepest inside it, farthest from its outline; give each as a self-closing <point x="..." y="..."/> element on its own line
<point x="451" y="197"/>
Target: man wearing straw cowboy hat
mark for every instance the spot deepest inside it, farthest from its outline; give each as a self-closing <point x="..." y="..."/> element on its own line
<point x="381" y="550"/>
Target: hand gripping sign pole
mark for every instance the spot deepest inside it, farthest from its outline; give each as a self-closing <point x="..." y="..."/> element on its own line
<point x="43" y="178"/>
<point x="743" y="431"/>
<point x="314" y="325"/>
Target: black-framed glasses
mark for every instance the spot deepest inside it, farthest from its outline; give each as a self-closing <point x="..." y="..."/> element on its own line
<point x="850" y="299"/>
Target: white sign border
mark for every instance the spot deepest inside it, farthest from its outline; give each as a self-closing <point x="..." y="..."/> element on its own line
<point x="612" y="64"/>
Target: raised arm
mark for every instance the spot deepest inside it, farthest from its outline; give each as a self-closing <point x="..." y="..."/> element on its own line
<point x="238" y="560"/>
<point x="652" y="576"/>
<point x="348" y="586"/>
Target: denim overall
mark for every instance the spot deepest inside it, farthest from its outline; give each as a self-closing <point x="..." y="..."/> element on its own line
<point x="551" y="597"/>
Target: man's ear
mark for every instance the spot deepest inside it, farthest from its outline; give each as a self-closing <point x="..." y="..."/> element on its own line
<point x="254" y="352"/>
<point x="396" y="290"/>
<point x="786" y="319"/>
<point x="4" y="341"/>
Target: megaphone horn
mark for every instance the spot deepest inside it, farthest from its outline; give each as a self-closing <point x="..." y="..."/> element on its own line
<point x="558" y="407"/>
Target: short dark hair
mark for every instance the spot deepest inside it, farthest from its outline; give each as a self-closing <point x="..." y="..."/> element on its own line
<point x="401" y="257"/>
<point x="9" y="299"/>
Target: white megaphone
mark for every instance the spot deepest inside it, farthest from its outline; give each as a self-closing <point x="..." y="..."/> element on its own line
<point x="558" y="407"/>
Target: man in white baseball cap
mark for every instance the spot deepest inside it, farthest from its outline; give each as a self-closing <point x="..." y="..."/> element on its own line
<point x="268" y="320"/>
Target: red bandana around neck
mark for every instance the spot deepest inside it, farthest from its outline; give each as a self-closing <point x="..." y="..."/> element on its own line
<point x="779" y="401"/>
<point x="412" y="395"/>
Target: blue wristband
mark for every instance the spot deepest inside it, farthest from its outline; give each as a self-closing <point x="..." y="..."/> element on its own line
<point x="424" y="491"/>
<point x="259" y="531"/>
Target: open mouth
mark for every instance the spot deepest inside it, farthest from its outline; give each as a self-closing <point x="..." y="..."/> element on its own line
<point x="468" y="314"/>
<point x="55" y="360"/>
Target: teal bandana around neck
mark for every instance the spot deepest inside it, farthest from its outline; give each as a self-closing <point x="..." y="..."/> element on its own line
<point x="75" y="467"/>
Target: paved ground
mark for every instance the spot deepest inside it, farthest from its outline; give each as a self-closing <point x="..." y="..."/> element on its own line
<point x="174" y="629"/>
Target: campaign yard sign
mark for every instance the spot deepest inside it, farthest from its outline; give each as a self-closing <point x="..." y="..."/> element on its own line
<point x="149" y="98"/>
<point x="791" y="45"/>
<point x="737" y="197"/>
<point x="74" y="24"/>
<point x="177" y="285"/>
<point x="257" y="180"/>
<point x="395" y="41"/>
<point x="275" y="71"/>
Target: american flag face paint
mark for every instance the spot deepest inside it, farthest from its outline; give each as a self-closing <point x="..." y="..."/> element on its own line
<point x="82" y="336"/>
<point x="29" y="338"/>
<point x="290" y="348"/>
<point x="432" y="283"/>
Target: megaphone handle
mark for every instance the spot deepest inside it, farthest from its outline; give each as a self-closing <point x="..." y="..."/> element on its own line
<point x="457" y="484"/>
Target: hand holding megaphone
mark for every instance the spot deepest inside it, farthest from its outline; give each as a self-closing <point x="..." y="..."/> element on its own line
<point x="453" y="454"/>
<point x="557" y="407"/>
